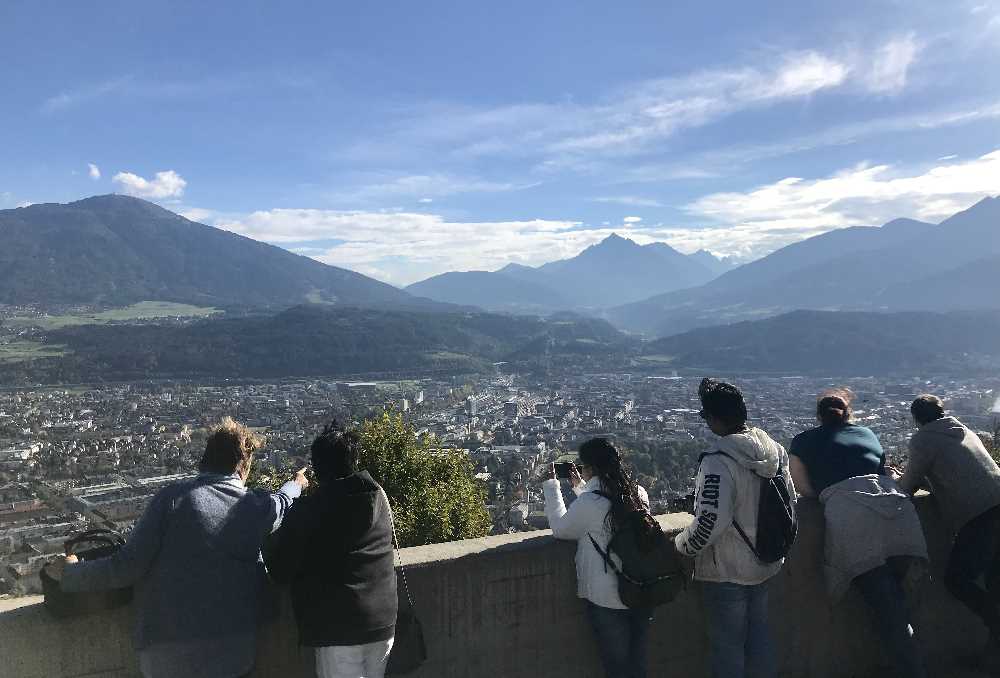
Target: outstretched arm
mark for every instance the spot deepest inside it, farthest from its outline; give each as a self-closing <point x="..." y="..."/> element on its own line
<point x="127" y="565"/>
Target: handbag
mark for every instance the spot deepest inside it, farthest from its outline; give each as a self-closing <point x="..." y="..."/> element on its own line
<point x="62" y="605"/>
<point x="409" y="651"/>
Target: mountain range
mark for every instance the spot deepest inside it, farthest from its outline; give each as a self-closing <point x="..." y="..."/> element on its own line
<point x="323" y="340"/>
<point x="903" y="265"/>
<point x="844" y="343"/>
<point x="115" y="250"/>
<point x="612" y="272"/>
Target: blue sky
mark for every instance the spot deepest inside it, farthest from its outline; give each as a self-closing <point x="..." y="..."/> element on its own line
<point x="406" y="139"/>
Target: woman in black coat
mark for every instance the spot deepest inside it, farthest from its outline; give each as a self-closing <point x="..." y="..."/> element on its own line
<point x="335" y="550"/>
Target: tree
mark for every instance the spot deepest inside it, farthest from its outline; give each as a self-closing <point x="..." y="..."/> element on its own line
<point x="434" y="494"/>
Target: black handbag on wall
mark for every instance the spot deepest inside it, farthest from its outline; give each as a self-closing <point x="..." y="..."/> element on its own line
<point x="409" y="651"/>
<point x="102" y="543"/>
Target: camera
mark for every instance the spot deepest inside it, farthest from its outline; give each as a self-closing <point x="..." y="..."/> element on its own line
<point x="563" y="469"/>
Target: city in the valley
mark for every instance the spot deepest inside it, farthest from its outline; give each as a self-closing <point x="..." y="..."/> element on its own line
<point x="78" y="457"/>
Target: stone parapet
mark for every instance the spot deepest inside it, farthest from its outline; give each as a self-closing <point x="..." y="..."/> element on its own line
<point x="506" y="607"/>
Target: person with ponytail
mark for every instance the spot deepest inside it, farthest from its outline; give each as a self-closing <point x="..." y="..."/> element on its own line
<point x="873" y="533"/>
<point x="607" y="496"/>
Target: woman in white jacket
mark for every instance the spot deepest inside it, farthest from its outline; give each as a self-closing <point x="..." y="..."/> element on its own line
<point x="606" y="495"/>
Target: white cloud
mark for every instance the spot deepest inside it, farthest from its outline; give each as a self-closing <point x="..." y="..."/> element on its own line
<point x="426" y="201"/>
<point x="891" y="64"/>
<point x="628" y="200"/>
<point x="755" y="222"/>
<point x="167" y="184"/>
<point x="71" y="98"/>
<point x="408" y="246"/>
<point x="427" y="186"/>
<point x="94" y="171"/>
<point x="632" y="220"/>
<point x="638" y="118"/>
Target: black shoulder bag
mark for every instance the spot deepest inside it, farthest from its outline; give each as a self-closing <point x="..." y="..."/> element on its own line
<point x="62" y="605"/>
<point x="409" y="651"/>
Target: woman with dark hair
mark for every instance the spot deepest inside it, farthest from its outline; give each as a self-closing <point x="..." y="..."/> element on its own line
<point x="873" y="533"/>
<point x="607" y="496"/>
<point x="335" y="549"/>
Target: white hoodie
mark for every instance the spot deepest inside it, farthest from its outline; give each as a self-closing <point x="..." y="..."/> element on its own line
<point x="728" y="488"/>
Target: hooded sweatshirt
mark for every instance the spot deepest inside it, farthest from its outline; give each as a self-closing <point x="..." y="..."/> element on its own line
<point x="728" y="488"/>
<point x="963" y="477"/>
<point x="868" y="521"/>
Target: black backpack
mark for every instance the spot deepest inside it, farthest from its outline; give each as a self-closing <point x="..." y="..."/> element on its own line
<point x="650" y="573"/>
<point x="777" y="522"/>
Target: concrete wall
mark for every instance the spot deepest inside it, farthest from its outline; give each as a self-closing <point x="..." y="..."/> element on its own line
<point x="506" y="607"/>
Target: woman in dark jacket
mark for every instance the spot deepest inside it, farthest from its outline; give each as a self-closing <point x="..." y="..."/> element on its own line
<point x="335" y="549"/>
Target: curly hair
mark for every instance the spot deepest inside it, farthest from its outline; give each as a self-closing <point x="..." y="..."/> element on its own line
<point x="229" y="447"/>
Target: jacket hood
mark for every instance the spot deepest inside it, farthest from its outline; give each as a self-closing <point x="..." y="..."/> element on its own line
<point x="754" y="450"/>
<point x="946" y="426"/>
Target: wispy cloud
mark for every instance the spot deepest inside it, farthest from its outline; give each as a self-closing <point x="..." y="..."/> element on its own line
<point x="639" y="118"/>
<point x="891" y="65"/>
<point x="132" y="86"/>
<point x="74" y="97"/>
<point x="93" y="171"/>
<point x="421" y="187"/>
<point x="628" y="200"/>
<point x="166" y="184"/>
<point x="715" y="162"/>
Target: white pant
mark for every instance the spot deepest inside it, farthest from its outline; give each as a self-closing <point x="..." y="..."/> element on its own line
<point x="353" y="661"/>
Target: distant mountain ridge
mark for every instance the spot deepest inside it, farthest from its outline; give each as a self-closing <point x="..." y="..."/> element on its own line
<point x="318" y="340"/>
<point x="611" y="272"/>
<point x="844" y="343"/>
<point x="903" y="265"/>
<point x="118" y="250"/>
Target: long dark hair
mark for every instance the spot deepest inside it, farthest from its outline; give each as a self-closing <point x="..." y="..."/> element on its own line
<point x="618" y="486"/>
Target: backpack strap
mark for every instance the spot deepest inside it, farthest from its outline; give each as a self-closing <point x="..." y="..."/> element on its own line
<point x="605" y="555"/>
<point x="736" y="524"/>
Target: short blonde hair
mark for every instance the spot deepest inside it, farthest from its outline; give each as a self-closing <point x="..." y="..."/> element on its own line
<point x="230" y="445"/>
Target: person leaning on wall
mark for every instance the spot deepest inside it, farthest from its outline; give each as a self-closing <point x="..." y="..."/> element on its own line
<point x="335" y="551"/>
<point x="965" y="483"/>
<point x="734" y="582"/>
<point x="194" y="562"/>
<point x="606" y="495"/>
<point x="873" y="533"/>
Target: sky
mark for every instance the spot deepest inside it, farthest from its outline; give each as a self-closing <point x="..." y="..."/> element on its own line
<point x="406" y="139"/>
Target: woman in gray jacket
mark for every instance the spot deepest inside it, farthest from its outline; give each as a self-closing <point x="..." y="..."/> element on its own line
<point x="194" y="560"/>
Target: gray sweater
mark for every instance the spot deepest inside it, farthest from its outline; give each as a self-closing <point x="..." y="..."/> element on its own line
<point x="868" y="520"/>
<point x="963" y="477"/>
<point x="194" y="561"/>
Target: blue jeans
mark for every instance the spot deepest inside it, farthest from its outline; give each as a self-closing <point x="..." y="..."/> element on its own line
<point x="738" y="635"/>
<point x="622" y="637"/>
<point x="884" y="594"/>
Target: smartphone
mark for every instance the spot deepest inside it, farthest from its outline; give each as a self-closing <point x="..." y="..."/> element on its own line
<point x="563" y="469"/>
